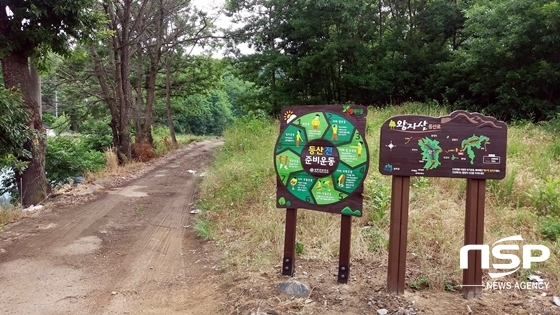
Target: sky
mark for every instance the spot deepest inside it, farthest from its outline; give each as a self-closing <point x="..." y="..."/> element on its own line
<point x="212" y="7"/>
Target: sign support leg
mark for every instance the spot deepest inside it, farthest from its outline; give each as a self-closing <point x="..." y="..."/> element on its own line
<point x="344" y="255"/>
<point x="474" y="233"/>
<point x="289" y="243"/>
<point x="398" y="234"/>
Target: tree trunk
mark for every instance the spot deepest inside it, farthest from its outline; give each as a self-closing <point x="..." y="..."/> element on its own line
<point x="139" y="108"/>
<point x="32" y="182"/>
<point x="107" y="95"/>
<point x="36" y="88"/>
<point x="120" y="114"/>
<point x="154" y="54"/>
<point x="126" y="104"/>
<point x="168" y="105"/>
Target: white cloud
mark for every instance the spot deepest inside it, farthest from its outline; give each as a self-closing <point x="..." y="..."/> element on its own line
<point x="213" y="8"/>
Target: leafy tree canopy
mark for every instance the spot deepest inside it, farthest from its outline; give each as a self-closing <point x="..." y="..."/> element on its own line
<point x="35" y="27"/>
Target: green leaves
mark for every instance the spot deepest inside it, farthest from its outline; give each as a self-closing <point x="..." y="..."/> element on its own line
<point x="13" y="130"/>
<point x="69" y="156"/>
<point x="509" y="63"/>
<point x="37" y="27"/>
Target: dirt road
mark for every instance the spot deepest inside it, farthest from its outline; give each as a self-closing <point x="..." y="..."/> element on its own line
<point x="131" y="250"/>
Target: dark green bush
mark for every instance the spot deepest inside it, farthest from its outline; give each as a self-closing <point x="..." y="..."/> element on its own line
<point x="97" y="134"/>
<point x="69" y="156"/>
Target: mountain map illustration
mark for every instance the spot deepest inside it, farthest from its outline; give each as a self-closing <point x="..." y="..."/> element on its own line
<point x="430" y="152"/>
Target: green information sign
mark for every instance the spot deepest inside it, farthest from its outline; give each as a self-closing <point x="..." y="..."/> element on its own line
<point x="321" y="158"/>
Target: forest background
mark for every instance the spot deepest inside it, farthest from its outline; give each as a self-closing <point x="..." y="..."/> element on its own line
<point x="120" y="76"/>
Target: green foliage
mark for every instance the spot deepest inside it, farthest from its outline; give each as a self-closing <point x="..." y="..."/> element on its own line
<point x="497" y="57"/>
<point x="508" y="66"/>
<point x="245" y="133"/>
<point x="553" y="125"/>
<point x="48" y="119"/>
<point x="208" y="114"/>
<point x="376" y="239"/>
<point x="346" y="51"/>
<point x="203" y="228"/>
<point x="448" y="286"/>
<point x="299" y="248"/>
<point x="549" y="227"/>
<point x="420" y="283"/>
<point x="554" y="149"/>
<point x="379" y="202"/>
<point x="61" y="124"/>
<point x="13" y="131"/>
<point x="242" y="162"/>
<point x="161" y="139"/>
<point x="96" y="133"/>
<point x="69" y="156"/>
<point x="241" y="94"/>
<point x="39" y="27"/>
<point x="546" y="198"/>
<point x="419" y="182"/>
<point x="503" y="190"/>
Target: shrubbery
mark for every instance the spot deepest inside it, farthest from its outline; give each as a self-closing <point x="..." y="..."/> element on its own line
<point x="69" y="156"/>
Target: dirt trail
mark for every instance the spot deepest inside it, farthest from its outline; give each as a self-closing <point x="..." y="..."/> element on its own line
<point x="132" y="250"/>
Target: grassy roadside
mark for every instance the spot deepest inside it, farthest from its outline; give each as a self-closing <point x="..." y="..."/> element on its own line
<point x="238" y="199"/>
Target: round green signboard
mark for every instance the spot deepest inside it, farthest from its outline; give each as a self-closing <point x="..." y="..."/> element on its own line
<point x="321" y="158"/>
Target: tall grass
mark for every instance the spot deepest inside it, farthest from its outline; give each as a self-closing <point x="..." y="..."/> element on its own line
<point x="9" y="216"/>
<point x="238" y="196"/>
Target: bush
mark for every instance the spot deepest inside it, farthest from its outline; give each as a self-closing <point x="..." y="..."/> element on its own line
<point x="550" y="227"/>
<point x="69" y="156"/>
<point x="546" y="198"/>
<point x="98" y="135"/>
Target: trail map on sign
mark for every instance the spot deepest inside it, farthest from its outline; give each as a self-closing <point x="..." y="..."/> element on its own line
<point x="463" y="144"/>
<point x="321" y="158"/>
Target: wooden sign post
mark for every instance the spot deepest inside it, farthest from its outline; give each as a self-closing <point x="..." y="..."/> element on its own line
<point x="321" y="160"/>
<point x="461" y="145"/>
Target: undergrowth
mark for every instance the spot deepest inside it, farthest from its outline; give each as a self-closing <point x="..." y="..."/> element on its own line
<point x="239" y="211"/>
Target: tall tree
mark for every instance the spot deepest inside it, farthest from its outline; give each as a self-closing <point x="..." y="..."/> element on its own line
<point x="141" y="34"/>
<point x="509" y="65"/>
<point x="334" y="51"/>
<point x="28" y="29"/>
<point x="172" y="24"/>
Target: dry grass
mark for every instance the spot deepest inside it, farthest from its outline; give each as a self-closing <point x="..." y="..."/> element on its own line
<point x="111" y="158"/>
<point x="9" y="215"/>
<point x="239" y="193"/>
<point x="113" y="169"/>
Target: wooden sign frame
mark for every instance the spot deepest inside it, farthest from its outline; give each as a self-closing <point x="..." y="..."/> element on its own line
<point x="433" y="155"/>
<point x="321" y="160"/>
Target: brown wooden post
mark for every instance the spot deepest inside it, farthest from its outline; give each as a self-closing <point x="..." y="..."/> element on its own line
<point x="289" y="243"/>
<point x="474" y="234"/>
<point x="398" y="234"/>
<point x="344" y="256"/>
